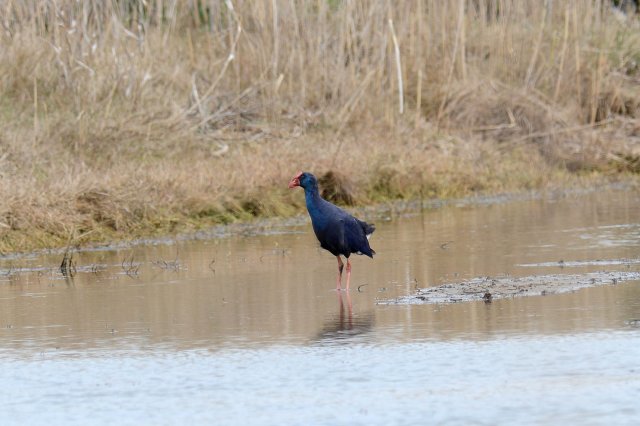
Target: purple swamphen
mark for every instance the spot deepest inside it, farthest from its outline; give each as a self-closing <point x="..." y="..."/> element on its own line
<point x="338" y="231"/>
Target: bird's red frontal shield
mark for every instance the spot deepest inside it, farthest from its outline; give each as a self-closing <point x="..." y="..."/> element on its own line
<point x="295" y="181"/>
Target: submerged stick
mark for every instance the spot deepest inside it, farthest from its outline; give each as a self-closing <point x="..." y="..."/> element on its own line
<point x="67" y="267"/>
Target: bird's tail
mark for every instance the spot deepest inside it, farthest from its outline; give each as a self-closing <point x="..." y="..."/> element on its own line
<point x="367" y="228"/>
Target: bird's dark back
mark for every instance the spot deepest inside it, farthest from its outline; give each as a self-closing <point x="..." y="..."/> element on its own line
<point x="338" y="231"/>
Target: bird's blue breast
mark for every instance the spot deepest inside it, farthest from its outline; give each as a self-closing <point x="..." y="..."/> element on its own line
<point x="318" y="219"/>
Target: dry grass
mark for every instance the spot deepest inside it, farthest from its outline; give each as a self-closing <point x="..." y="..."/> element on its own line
<point x="128" y="118"/>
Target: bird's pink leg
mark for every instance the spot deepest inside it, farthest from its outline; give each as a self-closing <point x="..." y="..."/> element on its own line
<point x="340" y="266"/>
<point x="346" y="321"/>
<point x="348" y="273"/>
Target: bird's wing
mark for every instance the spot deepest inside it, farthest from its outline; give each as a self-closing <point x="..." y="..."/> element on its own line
<point x="331" y="234"/>
<point x="354" y="236"/>
<point x="340" y="232"/>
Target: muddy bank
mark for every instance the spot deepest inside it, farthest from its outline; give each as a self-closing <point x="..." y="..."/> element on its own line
<point x="488" y="289"/>
<point x="378" y="212"/>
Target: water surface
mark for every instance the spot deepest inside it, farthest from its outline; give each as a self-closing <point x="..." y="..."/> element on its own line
<point x="248" y="329"/>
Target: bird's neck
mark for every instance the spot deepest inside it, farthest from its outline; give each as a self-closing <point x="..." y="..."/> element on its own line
<point x="312" y="197"/>
<point x="316" y="206"/>
<point x="311" y="193"/>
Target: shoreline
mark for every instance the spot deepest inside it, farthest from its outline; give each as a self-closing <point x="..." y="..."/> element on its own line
<point x="382" y="211"/>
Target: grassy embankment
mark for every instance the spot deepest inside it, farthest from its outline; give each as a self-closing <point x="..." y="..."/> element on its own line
<point x="124" y="119"/>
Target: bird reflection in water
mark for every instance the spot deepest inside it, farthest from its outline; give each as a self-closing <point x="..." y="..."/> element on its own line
<point x="345" y="325"/>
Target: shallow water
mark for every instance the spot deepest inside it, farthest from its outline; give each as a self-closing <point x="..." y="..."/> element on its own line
<point x="248" y="330"/>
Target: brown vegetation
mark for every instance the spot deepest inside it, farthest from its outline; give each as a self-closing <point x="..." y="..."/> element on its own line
<point x="128" y="118"/>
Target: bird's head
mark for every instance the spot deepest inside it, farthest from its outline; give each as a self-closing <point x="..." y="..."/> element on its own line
<point x="303" y="179"/>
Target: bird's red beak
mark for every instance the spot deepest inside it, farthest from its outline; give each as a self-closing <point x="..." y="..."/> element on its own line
<point x="295" y="181"/>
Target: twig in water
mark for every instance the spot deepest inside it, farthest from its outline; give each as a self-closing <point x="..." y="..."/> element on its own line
<point x="445" y="245"/>
<point x="130" y="269"/>
<point x="9" y="271"/>
<point x="97" y="268"/>
<point x="163" y="264"/>
<point x="68" y="266"/>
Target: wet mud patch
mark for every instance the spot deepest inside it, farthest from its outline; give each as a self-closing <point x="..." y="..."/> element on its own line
<point x="488" y="289"/>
